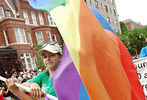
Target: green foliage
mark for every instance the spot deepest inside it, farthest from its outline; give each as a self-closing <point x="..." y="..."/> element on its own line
<point x="134" y="40"/>
<point x="123" y="28"/>
<point x="40" y="63"/>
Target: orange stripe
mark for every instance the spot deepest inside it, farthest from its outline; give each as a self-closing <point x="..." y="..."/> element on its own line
<point x="100" y="64"/>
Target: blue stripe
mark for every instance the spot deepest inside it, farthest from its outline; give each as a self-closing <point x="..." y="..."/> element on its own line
<point x="37" y="4"/>
<point x="83" y="93"/>
<point x="101" y="20"/>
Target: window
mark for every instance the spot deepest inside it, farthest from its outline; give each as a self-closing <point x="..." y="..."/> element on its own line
<point x="108" y="19"/>
<point x="114" y="12"/>
<point x="34" y="19"/>
<point x="25" y="15"/>
<point x="106" y="8"/>
<point x="20" y="35"/>
<point x="26" y="60"/>
<point x="54" y="38"/>
<point x="7" y="13"/>
<point x="96" y="4"/>
<point x="51" y="22"/>
<point x="41" y="19"/>
<point x="1" y="12"/>
<point x="48" y="33"/>
<point x="39" y="37"/>
<point x="30" y="39"/>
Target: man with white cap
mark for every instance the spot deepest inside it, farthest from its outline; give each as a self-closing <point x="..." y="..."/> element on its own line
<point x="52" y="54"/>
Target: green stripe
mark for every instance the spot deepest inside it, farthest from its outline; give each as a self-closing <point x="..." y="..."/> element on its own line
<point x="52" y="5"/>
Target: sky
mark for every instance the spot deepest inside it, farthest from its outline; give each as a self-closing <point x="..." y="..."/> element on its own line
<point x="132" y="9"/>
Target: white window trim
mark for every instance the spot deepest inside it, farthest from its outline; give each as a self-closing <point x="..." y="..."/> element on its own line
<point x="4" y="32"/>
<point x="2" y="12"/>
<point x="41" y="19"/>
<point x="19" y="34"/>
<point x="34" y="20"/>
<point x="25" y="15"/>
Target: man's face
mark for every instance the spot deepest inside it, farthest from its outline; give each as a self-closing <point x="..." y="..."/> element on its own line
<point x="15" y="74"/>
<point x="51" y="60"/>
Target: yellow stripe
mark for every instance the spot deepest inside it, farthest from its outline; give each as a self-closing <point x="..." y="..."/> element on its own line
<point x="70" y="30"/>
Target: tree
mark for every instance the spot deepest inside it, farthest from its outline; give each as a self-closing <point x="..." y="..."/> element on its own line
<point x="134" y="40"/>
<point x="123" y="28"/>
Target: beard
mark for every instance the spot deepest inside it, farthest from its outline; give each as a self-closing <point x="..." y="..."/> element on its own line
<point x="53" y="67"/>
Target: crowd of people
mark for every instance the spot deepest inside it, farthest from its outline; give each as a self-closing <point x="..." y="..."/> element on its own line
<point x="19" y="77"/>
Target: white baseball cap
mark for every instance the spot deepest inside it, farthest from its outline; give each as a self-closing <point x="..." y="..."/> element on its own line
<point x="52" y="47"/>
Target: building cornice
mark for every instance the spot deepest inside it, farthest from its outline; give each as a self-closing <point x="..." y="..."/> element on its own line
<point x="11" y="18"/>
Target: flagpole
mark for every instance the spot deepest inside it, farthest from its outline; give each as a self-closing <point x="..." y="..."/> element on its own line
<point x="28" y="89"/>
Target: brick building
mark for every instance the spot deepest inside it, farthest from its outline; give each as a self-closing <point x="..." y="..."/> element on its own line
<point x="130" y="24"/>
<point x="21" y="27"/>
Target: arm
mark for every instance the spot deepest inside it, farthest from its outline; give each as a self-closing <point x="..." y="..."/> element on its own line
<point x="12" y="87"/>
<point x="35" y="89"/>
<point x="1" y="91"/>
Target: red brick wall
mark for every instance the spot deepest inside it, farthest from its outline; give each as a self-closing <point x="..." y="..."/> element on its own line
<point x="2" y="39"/>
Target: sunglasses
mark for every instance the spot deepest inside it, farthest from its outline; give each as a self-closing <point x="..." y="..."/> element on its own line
<point x="51" y="43"/>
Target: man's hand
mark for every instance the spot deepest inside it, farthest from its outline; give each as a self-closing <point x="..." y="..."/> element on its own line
<point x="1" y="90"/>
<point x="35" y="90"/>
<point x="11" y="85"/>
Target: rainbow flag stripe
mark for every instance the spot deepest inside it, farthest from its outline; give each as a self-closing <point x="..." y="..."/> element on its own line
<point x="101" y="59"/>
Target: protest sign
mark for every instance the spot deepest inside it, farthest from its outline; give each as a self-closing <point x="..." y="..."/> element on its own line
<point x="141" y="66"/>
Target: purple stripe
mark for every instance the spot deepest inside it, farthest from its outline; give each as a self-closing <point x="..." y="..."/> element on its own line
<point x="66" y="81"/>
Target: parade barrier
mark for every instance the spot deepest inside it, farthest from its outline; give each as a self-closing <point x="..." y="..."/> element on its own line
<point x="141" y="66"/>
<point x="46" y="96"/>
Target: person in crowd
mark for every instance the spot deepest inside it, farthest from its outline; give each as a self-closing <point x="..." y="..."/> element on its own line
<point x="143" y="52"/>
<point x="20" y="78"/>
<point x="52" y="54"/>
<point x="14" y="74"/>
<point x="26" y="78"/>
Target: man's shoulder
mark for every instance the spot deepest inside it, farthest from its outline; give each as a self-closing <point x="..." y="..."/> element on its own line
<point x="42" y="73"/>
<point x="145" y="48"/>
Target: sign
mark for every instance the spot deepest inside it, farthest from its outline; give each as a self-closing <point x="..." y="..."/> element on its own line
<point x="141" y="66"/>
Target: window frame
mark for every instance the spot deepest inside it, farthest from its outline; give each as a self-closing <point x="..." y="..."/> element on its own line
<point x="3" y="14"/>
<point x="49" y="37"/>
<point x="30" y="38"/>
<point x="38" y="39"/>
<point x="25" y="15"/>
<point x="25" y="58"/>
<point x="50" y="20"/>
<point x="54" y="37"/>
<point x="41" y="19"/>
<point x="34" y="19"/>
<point x="19" y="36"/>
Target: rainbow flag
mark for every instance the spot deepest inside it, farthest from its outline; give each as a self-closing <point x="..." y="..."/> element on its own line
<point x="101" y="59"/>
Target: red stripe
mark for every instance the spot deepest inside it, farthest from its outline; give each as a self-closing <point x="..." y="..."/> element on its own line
<point x="131" y="72"/>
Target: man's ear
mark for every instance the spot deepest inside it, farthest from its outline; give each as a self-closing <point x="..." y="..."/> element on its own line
<point x="60" y="57"/>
